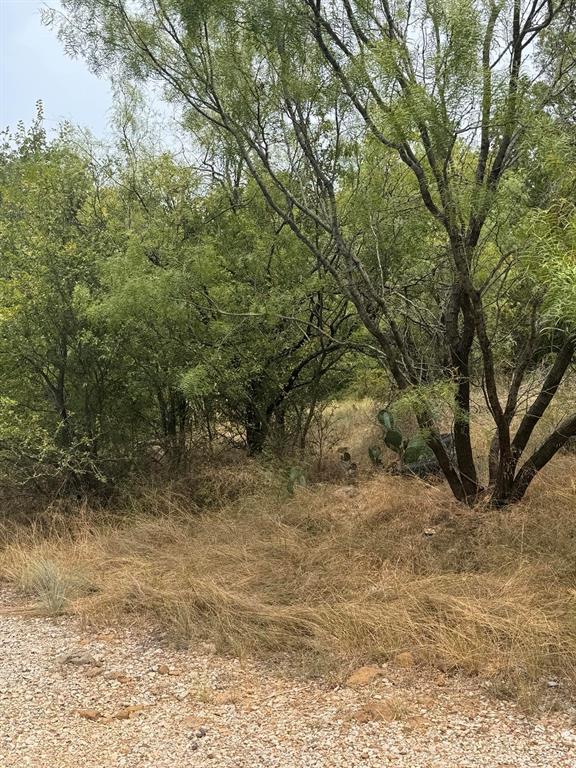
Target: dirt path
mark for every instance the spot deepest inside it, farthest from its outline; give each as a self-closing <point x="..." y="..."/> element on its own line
<point x="74" y="699"/>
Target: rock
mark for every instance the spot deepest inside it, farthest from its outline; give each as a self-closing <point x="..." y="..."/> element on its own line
<point x="164" y="669"/>
<point x="200" y="733"/>
<point x="93" y="672"/>
<point x="363" y="676"/>
<point x="569" y="738"/>
<point x="127" y="712"/>
<point x="416" y="723"/>
<point x="78" y="658"/>
<point x="89" y="714"/>
<point x="376" y="711"/>
<point x="190" y="721"/>
<point x="193" y="746"/>
<point x="121" y="677"/>
<point x="405" y="660"/>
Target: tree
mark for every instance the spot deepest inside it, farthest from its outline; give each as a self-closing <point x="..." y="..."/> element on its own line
<point x="225" y="322"/>
<point x="54" y="364"/>
<point x="119" y="326"/>
<point x="448" y="93"/>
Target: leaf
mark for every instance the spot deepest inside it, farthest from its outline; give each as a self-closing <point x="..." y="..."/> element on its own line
<point x="375" y="454"/>
<point x="385" y="418"/>
<point x="416" y="449"/>
<point x="393" y="439"/>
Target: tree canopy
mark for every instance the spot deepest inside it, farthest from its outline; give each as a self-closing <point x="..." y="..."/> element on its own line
<point x="386" y="181"/>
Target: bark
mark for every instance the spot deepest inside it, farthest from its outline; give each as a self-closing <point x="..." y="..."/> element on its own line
<point x="541" y="456"/>
<point x="460" y="344"/>
<point x="173" y="410"/>
<point x="545" y="396"/>
<point x="257" y="429"/>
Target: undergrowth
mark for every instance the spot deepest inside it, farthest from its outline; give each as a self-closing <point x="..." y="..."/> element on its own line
<point x="348" y="575"/>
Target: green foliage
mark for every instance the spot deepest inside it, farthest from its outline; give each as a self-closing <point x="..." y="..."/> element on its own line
<point x="375" y="455"/>
<point x="415" y="450"/>
<point x="394" y="440"/>
<point x="145" y="313"/>
<point x="296" y="478"/>
<point x="409" y="451"/>
<point x="384" y="179"/>
<point x="386" y="419"/>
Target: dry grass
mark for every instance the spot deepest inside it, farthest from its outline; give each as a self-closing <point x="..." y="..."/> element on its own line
<point x="48" y="583"/>
<point x="343" y="578"/>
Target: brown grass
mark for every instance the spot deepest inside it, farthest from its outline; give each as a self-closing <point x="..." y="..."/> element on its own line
<point x="345" y="575"/>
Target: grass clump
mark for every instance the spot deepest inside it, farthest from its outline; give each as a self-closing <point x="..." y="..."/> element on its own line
<point x="395" y="566"/>
<point x="51" y="586"/>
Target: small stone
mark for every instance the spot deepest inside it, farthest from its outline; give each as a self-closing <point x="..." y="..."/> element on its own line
<point x="121" y="677"/>
<point x="379" y="711"/>
<point x="200" y="733"/>
<point x="552" y="683"/>
<point x="127" y="712"/>
<point x="93" y="672"/>
<point x="405" y="660"/>
<point x="363" y="676"/>
<point x="194" y="746"/>
<point x="78" y="658"/>
<point x="163" y="669"/>
<point x="89" y="714"/>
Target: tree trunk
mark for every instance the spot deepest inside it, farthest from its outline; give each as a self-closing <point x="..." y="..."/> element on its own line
<point x="541" y="456"/>
<point x="257" y="429"/>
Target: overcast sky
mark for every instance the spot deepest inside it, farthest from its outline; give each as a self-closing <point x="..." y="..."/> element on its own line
<point x="34" y="66"/>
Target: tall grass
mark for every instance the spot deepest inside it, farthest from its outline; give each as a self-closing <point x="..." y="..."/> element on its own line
<point x="398" y="566"/>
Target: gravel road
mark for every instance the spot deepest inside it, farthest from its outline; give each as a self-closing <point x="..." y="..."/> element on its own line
<point x="75" y="698"/>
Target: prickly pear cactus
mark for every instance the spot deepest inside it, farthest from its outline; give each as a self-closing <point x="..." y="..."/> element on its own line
<point x="408" y="450"/>
<point x="296" y="477"/>
<point x="375" y="454"/>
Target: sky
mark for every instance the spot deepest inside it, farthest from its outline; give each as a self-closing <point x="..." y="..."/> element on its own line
<point x="33" y="66"/>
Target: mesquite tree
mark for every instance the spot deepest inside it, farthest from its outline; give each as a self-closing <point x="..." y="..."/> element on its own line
<point x="448" y="97"/>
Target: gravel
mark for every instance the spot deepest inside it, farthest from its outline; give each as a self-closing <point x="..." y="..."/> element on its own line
<point x="134" y="703"/>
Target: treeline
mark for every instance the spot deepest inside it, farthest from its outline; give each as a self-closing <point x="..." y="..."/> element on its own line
<point x="152" y="313"/>
<point x="147" y="313"/>
<point x="387" y="186"/>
